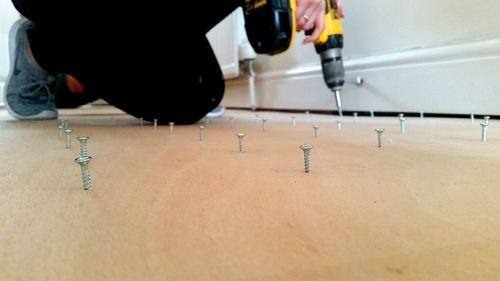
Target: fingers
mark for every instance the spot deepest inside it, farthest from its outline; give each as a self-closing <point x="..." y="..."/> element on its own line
<point x="310" y="15"/>
<point x="307" y="12"/>
<point x="319" y="26"/>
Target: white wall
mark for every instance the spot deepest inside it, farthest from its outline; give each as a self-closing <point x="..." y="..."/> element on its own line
<point x="438" y="56"/>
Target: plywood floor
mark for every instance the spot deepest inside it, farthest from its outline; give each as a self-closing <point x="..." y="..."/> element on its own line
<point x="425" y="207"/>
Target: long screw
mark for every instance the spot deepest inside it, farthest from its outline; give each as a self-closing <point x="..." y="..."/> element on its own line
<point x="142" y="121"/>
<point x="308" y="114"/>
<point x="83" y="145"/>
<point x="294" y="121"/>
<point x="472" y="117"/>
<point x="421" y="115"/>
<point x="316" y="129"/>
<point x="402" y="126"/>
<point x="171" y="124"/>
<point x="202" y="133"/>
<point x="339" y="125"/>
<point x="264" y="122"/>
<point x="380" y="131"/>
<point x="61" y="132"/>
<point x="68" y="138"/>
<point x="486" y="120"/>
<point x="240" y="138"/>
<point x="355" y="114"/>
<point x="307" y="156"/>
<point x="155" y="122"/>
<point x="372" y="114"/>
<point x="484" y="127"/>
<point x="84" y="164"/>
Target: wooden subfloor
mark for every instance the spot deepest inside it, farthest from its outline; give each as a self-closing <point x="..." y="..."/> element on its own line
<point x="424" y="207"/>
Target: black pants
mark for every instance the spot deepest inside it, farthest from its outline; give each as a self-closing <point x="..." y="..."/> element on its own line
<point x="133" y="55"/>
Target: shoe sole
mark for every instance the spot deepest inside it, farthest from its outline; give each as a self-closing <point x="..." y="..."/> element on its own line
<point x="46" y="114"/>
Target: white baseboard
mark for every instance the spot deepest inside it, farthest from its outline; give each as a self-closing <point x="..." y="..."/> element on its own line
<point x="458" y="78"/>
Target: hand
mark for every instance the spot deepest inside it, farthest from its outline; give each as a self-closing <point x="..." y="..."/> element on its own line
<point x="309" y="15"/>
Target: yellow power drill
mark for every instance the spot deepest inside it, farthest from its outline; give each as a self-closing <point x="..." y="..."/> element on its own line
<point x="270" y="28"/>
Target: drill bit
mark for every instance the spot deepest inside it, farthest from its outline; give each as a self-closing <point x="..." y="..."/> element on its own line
<point x="339" y="102"/>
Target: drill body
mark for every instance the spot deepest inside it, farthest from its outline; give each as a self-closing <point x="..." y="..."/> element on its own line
<point x="270" y="27"/>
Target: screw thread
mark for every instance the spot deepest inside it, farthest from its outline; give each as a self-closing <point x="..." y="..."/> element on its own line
<point x="402" y="126"/>
<point x="83" y="150"/>
<point x="68" y="141"/>
<point x="242" y="145"/>
<point x="86" y="179"/>
<point x="307" y="161"/>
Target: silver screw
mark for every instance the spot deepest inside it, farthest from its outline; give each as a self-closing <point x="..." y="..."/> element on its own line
<point x="240" y="138"/>
<point x="484" y="131"/>
<point x="339" y="125"/>
<point x="171" y="124"/>
<point x="372" y="114"/>
<point x="68" y="138"/>
<point x="421" y="115"/>
<point x="83" y="145"/>
<point x="202" y="134"/>
<point x="84" y="163"/>
<point x="472" y="117"/>
<point x="155" y="121"/>
<point x="316" y="128"/>
<point x="264" y="123"/>
<point x="257" y="117"/>
<point x="307" y="156"/>
<point x="379" y="132"/>
<point x="402" y="123"/>
<point x="61" y="131"/>
<point x="486" y="120"/>
<point x="65" y="123"/>
<point x="294" y="121"/>
<point x="355" y="114"/>
<point x="308" y="114"/>
<point x="231" y="122"/>
<point x="142" y="121"/>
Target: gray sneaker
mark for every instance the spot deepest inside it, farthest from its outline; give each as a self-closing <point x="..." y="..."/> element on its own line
<point x="27" y="92"/>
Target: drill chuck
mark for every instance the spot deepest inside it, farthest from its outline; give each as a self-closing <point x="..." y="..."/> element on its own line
<point x="333" y="68"/>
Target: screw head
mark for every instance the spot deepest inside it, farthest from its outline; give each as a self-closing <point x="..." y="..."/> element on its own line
<point x="316" y="126"/>
<point x="306" y="146"/>
<point x="484" y="125"/>
<point x="68" y="131"/>
<point x="82" y="160"/>
<point x="240" y="135"/>
<point x="82" y="138"/>
<point x="379" y="130"/>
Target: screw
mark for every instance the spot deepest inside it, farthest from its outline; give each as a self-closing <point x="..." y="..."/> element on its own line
<point x="240" y="138"/>
<point x="171" y="124"/>
<point x="61" y="131"/>
<point x="84" y="163"/>
<point x="379" y="132"/>
<point x="421" y="115"/>
<point x="339" y="125"/>
<point x="65" y="123"/>
<point x="486" y="120"/>
<point x="316" y="128"/>
<point x="142" y="121"/>
<point x="294" y="121"/>
<point x="68" y="138"/>
<point x="402" y="123"/>
<point x="484" y="131"/>
<point x="231" y="121"/>
<point x="155" y="123"/>
<point x="472" y="117"/>
<point x="308" y="114"/>
<point x="372" y="114"/>
<point x="257" y="117"/>
<point x="307" y="156"/>
<point x="202" y="135"/>
<point x="264" y="122"/>
<point x="83" y="145"/>
<point x="355" y="114"/>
